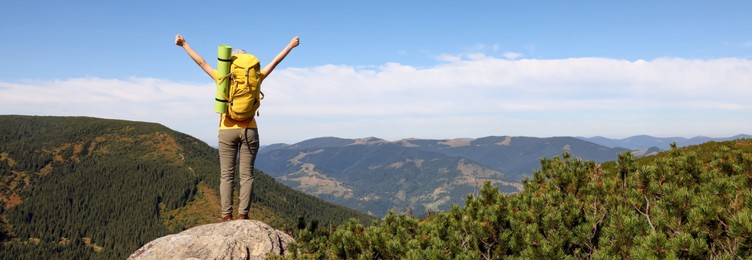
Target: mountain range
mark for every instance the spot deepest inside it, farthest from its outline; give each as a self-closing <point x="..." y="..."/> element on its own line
<point x="645" y="142"/>
<point x="374" y="175"/>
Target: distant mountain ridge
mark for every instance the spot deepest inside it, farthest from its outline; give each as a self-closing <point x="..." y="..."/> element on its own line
<point x="374" y="175"/>
<point x="645" y="142"/>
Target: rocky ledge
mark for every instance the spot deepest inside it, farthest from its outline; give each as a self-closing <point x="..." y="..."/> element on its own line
<point x="239" y="239"/>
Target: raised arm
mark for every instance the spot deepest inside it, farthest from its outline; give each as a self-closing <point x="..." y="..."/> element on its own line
<point x="281" y="56"/>
<point x="179" y="41"/>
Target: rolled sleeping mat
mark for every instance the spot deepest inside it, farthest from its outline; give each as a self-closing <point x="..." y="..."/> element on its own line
<point x="224" y="54"/>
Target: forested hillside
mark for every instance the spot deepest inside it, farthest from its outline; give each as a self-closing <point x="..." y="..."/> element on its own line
<point x="688" y="203"/>
<point x="81" y="188"/>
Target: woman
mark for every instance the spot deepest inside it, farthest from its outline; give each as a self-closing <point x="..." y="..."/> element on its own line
<point x="236" y="136"/>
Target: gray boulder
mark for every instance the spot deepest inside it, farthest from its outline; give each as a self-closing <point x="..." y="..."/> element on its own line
<point x="239" y="239"/>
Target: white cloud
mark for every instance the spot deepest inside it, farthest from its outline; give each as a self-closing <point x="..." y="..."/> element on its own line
<point x="512" y="55"/>
<point x="448" y="58"/>
<point x="465" y="96"/>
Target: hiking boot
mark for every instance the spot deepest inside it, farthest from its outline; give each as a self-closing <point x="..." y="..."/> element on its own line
<point x="243" y="216"/>
<point x="226" y="217"/>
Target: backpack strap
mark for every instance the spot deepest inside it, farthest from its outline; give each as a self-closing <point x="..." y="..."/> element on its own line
<point x="258" y="84"/>
<point x="258" y="81"/>
<point x="219" y="93"/>
<point x="223" y="78"/>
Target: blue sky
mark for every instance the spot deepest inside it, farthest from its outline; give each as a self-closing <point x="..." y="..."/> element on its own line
<point x="394" y="69"/>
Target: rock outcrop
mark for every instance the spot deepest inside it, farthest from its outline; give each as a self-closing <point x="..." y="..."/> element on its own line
<point x="239" y="239"/>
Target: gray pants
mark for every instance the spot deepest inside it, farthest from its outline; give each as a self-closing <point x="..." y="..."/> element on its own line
<point x="231" y="142"/>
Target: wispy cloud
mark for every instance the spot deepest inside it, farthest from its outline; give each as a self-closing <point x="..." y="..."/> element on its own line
<point x="464" y="96"/>
<point x="512" y="55"/>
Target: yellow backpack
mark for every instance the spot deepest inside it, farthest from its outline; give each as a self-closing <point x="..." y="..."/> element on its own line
<point x="244" y="94"/>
